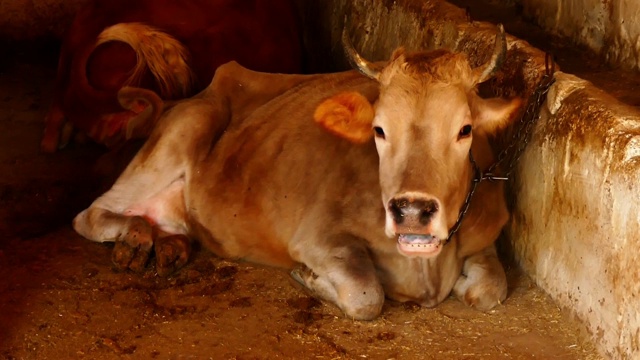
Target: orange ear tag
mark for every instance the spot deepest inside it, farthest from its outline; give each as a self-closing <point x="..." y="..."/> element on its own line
<point x="348" y="115"/>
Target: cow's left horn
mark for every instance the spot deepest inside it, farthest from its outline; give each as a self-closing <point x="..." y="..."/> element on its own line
<point x="489" y="69"/>
<point x="357" y="61"/>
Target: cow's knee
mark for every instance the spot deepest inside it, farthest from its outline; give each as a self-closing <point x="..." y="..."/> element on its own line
<point x="355" y="290"/>
<point x="362" y="301"/>
<point x="346" y="277"/>
<point x="483" y="282"/>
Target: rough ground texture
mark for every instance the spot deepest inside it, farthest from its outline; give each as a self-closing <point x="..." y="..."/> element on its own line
<point x="61" y="299"/>
<point x="64" y="301"/>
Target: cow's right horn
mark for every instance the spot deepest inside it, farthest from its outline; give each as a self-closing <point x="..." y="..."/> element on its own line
<point x="489" y="69"/>
<point x="358" y="62"/>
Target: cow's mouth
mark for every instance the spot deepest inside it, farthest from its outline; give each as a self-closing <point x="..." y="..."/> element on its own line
<point x="419" y="245"/>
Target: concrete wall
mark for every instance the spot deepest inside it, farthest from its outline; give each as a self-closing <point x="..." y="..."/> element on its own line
<point x="576" y="226"/>
<point x="609" y="27"/>
<point x="378" y="27"/>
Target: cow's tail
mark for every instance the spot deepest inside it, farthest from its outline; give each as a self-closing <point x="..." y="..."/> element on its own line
<point x="165" y="57"/>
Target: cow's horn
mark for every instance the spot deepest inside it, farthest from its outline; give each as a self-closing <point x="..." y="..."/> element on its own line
<point x="489" y="69"/>
<point x="357" y="61"/>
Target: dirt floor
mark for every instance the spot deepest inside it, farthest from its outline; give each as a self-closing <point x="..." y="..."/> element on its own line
<point x="61" y="299"/>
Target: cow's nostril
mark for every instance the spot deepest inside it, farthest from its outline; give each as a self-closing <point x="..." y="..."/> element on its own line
<point x="396" y="210"/>
<point x="428" y="209"/>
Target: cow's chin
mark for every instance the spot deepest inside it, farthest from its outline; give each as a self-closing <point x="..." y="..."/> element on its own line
<point x="418" y="245"/>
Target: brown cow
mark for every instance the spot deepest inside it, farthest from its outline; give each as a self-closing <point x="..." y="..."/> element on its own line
<point x="169" y="46"/>
<point x="244" y="168"/>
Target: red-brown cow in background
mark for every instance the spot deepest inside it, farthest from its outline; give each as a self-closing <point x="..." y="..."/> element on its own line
<point x="171" y="47"/>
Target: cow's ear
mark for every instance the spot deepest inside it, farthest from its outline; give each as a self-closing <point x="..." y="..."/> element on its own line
<point x="146" y="107"/>
<point x="492" y="115"/>
<point x="348" y="115"/>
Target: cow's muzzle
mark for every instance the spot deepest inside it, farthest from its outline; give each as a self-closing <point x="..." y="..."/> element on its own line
<point x="415" y="223"/>
<point x="412" y="214"/>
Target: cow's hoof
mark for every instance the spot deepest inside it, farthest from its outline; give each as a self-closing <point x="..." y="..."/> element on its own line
<point x="172" y="253"/>
<point x="132" y="250"/>
<point x="482" y="295"/>
<point x="300" y="274"/>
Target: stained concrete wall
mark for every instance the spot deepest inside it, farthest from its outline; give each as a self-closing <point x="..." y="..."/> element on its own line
<point x="609" y="27"/>
<point x="576" y="226"/>
<point x="378" y="27"/>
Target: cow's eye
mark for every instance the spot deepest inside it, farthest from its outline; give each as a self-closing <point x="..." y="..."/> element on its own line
<point x="379" y="132"/>
<point x="464" y="132"/>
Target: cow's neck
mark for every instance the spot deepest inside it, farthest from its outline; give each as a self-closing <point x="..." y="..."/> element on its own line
<point x="487" y="212"/>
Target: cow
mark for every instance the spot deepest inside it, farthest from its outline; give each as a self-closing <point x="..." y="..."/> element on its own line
<point x="356" y="181"/>
<point x="171" y="47"/>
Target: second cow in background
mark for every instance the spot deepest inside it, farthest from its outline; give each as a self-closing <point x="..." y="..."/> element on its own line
<point x="169" y="47"/>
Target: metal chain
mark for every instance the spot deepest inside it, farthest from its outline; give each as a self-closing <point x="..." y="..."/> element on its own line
<point x="523" y="134"/>
<point x="518" y="142"/>
<point x="477" y="178"/>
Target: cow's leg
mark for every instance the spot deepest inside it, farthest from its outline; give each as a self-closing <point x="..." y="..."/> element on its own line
<point x="344" y="275"/>
<point x="483" y="283"/>
<point x="152" y="187"/>
<point x="134" y="240"/>
<point x="133" y="235"/>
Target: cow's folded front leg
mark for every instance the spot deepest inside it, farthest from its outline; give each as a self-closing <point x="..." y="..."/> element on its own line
<point x="483" y="283"/>
<point x="344" y="275"/>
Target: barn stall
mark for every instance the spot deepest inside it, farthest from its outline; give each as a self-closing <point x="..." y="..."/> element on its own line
<point x="569" y="247"/>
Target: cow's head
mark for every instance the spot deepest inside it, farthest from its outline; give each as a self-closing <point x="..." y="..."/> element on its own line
<point x="424" y="122"/>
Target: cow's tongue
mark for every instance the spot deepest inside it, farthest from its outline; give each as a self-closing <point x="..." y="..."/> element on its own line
<point x="414" y="243"/>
